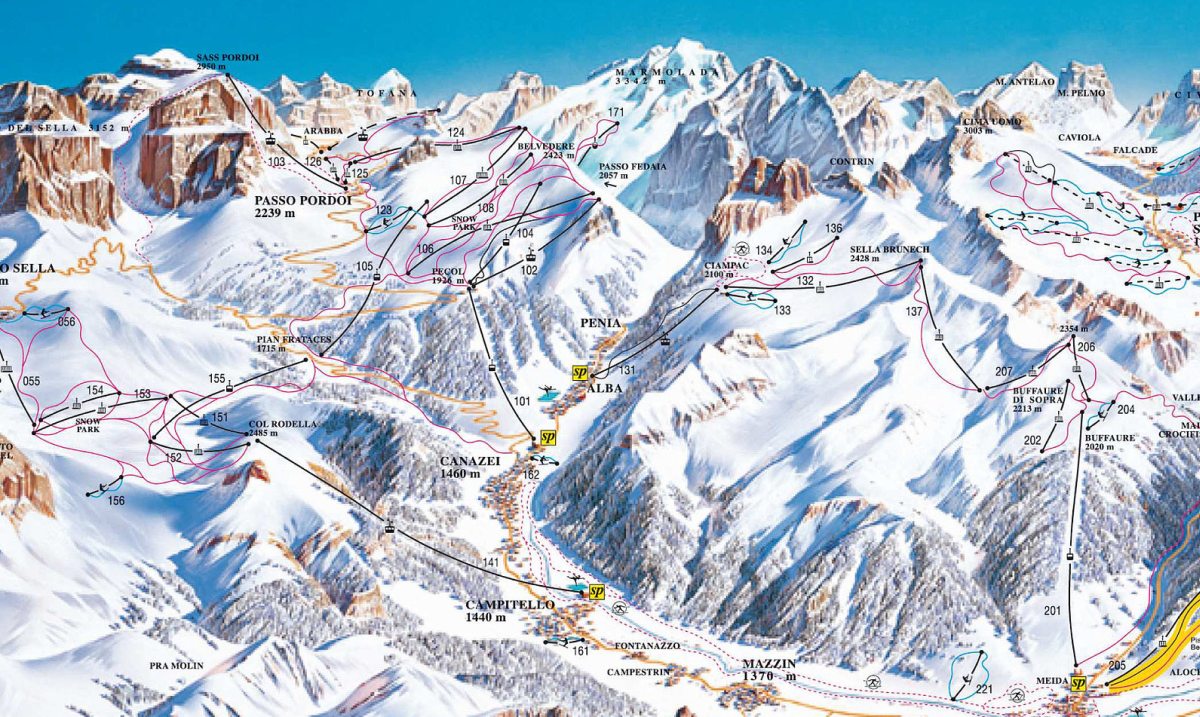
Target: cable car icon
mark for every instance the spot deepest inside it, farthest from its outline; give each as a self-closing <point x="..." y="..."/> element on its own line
<point x="270" y="139"/>
<point x="362" y="135"/>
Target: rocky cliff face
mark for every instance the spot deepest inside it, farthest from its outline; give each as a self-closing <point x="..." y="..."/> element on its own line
<point x="519" y="93"/>
<point x="106" y="93"/>
<point x="764" y="190"/>
<point x="51" y="163"/>
<point x="325" y="106"/>
<point x="22" y="488"/>
<point x="196" y="144"/>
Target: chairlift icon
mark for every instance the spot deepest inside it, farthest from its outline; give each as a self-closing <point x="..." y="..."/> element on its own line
<point x="457" y="147"/>
<point x="76" y="405"/>
<point x="102" y="409"/>
<point x="939" y="337"/>
<point x="198" y="450"/>
<point x="270" y="139"/>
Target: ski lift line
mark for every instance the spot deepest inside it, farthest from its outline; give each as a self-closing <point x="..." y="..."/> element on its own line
<point x="22" y="400"/>
<point x="532" y="216"/>
<point x="493" y="275"/>
<point x="396" y="236"/>
<point x="238" y="90"/>
<point x="960" y="368"/>
<point x="787" y="244"/>
<point x="1046" y="442"/>
<point x="310" y="170"/>
<point x="595" y="143"/>
<point x="568" y="227"/>
<point x="966" y="679"/>
<point x="655" y="335"/>
<point x="57" y="411"/>
<point x="1070" y="616"/>
<point x="448" y="197"/>
<point x="925" y="291"/>
<point x="85" y="413"/>
<point x="769" y="289"/>
<point x="339" y="185"/>
<point x="414" y="539"/>
<point x="482" y="263"/>
<point x="1075" y="490"/>
<point x="385" y="220"/>
<point x="475" y="311"/>
<point x="477" y="140"/>
<point x="1025" y="374"/>
<point x="514" y="143"/>
<point x="268" y="373"/>
<point x="525" y="212"/>
<point x="209" y="423"/>
<point x="490" y="192"/>
<point x="177" y="415"/>
<point x="94" y="410"/>
<point x="500" y="383"/>
<point x="513" y="171"/>
<point x="281" y="148"/>
<point x="1052" y="356"/>
<point x="219" y="391"/>
<point x="875" y="274"/>
<point x="225" y="449"/>
<point x="496" y="226"/>
<point x="327" y="349"/>
<point x="605" y="371"/>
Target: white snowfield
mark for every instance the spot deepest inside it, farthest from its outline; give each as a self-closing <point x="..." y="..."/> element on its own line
<point x="865" y="365"/>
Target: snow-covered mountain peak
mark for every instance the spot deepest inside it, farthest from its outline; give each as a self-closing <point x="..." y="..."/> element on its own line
<point x="687" y="66"/>
<point x="1079" y="100"/>
<point x="164" y="63"/>
<point x="391" y="79"/>
<point x="521" y="79"/>
<point x="1078" y="76"/>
